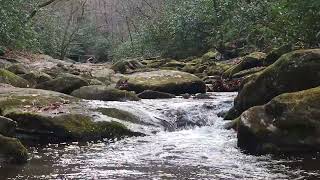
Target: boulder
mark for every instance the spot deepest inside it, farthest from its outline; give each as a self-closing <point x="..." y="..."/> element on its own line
<point x="212" y="54"/>
<point x="18" y="69"/>
<point x="149" y="94"/>
<point x="7" y="126"/>
<point x="248" y="72"/>
<point x="174" y="82"/>
<point x="66" y="83"/>
<point x="36" y="77"/>
<point x="276" y="53"/>
<point x="104" y="93"/>
<point x="12" y="150"/>
<point x="250" y="61"/>
<point x="7" y="77"/>
<point x="51" y="117"/>
<point x="288" y="123"/>
<point x="295" y="71"/>
<point x="126" y="66"/>
<point x="104" y="75"/>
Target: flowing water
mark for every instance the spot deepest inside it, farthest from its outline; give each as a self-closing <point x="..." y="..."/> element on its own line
<point x="186" y="140"/>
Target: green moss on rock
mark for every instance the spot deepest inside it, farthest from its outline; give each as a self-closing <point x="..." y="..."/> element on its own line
<point x="288" y="123"/>
<point x="173" y="82"/>
<point x="104" y="93"/>
<point x="250" y="61"/>
<point x="64" y="84"/>
<point x="8" y="77"/>
<point x="293" y="72"/>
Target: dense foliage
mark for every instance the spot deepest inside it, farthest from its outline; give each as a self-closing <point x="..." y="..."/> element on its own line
<point x="189" y="27"/>
<point x="177" y="28"/>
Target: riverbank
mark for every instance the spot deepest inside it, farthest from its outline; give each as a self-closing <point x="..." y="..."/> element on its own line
<point x="46" y="99"/>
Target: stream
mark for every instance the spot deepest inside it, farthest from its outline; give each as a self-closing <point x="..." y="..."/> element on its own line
<point x="186" y="140"/>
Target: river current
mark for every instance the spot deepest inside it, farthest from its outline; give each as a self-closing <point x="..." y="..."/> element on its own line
<point x="186" y="140"/>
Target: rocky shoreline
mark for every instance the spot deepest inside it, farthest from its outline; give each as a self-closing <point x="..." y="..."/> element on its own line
<point x="43" y="100"/>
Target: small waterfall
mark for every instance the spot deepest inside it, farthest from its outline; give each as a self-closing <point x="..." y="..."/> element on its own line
<point x="170" y="114"/>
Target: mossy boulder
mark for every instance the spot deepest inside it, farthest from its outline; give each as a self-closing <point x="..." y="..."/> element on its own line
<point x="7" y="126"/>
<point x="248" y="72"/>
<point x="18" y="69"/>
<point x="250" y="61"/>
<point x="126" y="66"/>
<point x="276" y="53"/>
<point x="51" y="117"/>
<point x="8" y="77"/>
<point x="12" y="150"/>
<point x="288" y="123"/>
<point x="212" y="54"/>
<point x="295" y="71"/>
<point x="104" y="93"/>
<point x="149" y="94"/>
<point x="104" y="75"/>
<point x="174" y="64"/>
<point x="174" y="82"/>
<point x="36" y="77"/>
<point x="66" y="83"/>
<point x="120" y="114"/>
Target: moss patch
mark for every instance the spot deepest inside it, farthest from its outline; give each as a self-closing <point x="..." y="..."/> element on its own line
<point x="8" y="77"/>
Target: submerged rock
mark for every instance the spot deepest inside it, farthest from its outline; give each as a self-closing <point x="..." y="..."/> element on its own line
<point x="12" y="150"/>
<point x="104" y="93"/>
<point x="148" y="94"/>
<point x="288" y="123"/>
<point x="7" y="77"/>
<point x="64" y="84"/>
<point x="295" y="71"/>
<point x="174" y="82"/>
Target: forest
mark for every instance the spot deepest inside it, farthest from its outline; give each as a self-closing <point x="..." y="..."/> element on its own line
<point x="114" y="29"/>
<point x="159" y="89"/>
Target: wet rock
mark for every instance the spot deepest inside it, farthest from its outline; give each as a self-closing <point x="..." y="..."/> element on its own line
<point x="120" y="114"/>
<point x="295" y="71"/>
<point x="250" y="61"/>
<point x="8" y="77"/>
<point x="12" y="150"/>
<point x="186" y="95"/>
<point x="65" y="84"/>
<point x="173" y="82"/>
<point x="51" y="117"/>
<point x="104" y="93"/>
<point x="288" y="123"/>
<point x="202" y="96"/>
<point x="7" y="126"/>
<point x="148" y="94"/>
